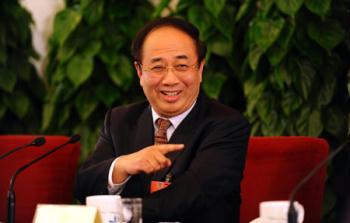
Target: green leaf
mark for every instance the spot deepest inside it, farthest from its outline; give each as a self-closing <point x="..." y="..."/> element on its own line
<point x="264" y="8"/>
<point x="309" y="122"/>
<point x="327" y="90"/>
<point x="244" y="8"/>
<point x="212" y="84"/>
<point x="225" y="22"/>
<point x="85" y="104"/>
<point x="79" y="69"/>
<point x="275" y="126"/>
<point x="62" y="92"/>
<point x="327" y="34"/>
<point x="92" y="49"/>
<point x="264" y="108"/>
<point x="122" y="73"/>
<point x="107" y="94"/>
<point x="65" y="22"/>
<point x="108" y="56"/>
<point x="66" y="52"/>
<point x="254" y="92"/>
<point x="200" y="18"/>
<point x="254" y="57"/>
<point x="301" y="123"/>
<point x="214" y="6"/>
<point x="308" y="47"/>
<point x="64" y="115"/>
<point x="290" y="103"/>
<point x="21" y="68"/>
<point x="315" y="126"/>
<point x="320" y="8"/>
<point x="160" y="7"/>
<point x="264" y="32"/>
<point x="286" y="77"/>
<point x="277" y="52"/>
<point x="18" y="103"/>
<point x="92" y="10"/>
<point x="289" y="7"/>
<point x="306" y="78"/>
<point x="220" y="46"/>
<point x="7" y="80"/>
<point x="48" y="113"/>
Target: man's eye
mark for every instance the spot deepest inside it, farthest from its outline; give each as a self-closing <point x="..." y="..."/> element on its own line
<point x="157" y="68"/>
<point x="181" y="67"/>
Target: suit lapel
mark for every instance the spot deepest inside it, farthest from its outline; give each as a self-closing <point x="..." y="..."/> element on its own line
<point x="183" y="135"/>
<point x="144" y="131"/>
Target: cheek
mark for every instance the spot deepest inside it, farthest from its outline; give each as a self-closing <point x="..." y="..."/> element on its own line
<point x="148" y="82"/>
<point x="191" y="80"/>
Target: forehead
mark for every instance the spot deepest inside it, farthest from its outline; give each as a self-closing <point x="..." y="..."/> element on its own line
<point x="168" y="43"/>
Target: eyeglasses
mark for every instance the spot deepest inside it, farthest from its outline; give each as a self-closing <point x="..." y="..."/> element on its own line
<point x="180" y="68"/>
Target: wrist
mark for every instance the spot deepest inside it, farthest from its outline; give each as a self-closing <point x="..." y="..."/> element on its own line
<point x="119" y="173"/>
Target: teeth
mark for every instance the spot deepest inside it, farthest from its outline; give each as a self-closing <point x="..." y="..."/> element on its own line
<point x="171" y="93"/>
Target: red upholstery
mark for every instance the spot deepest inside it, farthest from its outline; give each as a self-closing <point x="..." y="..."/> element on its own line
<point x="48" y="181"/>
<point x="273" y="168"/>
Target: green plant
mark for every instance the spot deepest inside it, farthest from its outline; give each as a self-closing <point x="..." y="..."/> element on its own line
<point x="292" y="58"/>
<point x="289" y="57"/>
<point x="90" y="68"/>
<point x="21" y="90"/>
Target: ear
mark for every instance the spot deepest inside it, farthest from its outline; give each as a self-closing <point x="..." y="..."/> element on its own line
<point x="200" y="69"/>
<point x="138" y="70"/>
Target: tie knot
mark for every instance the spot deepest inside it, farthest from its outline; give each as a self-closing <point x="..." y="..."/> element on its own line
<point x="163" y="124"/>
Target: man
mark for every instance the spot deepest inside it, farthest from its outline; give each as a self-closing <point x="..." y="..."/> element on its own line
<point x="195" y="161"/>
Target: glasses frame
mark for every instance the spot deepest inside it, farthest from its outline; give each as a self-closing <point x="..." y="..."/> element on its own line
<point x="167" y="68"/>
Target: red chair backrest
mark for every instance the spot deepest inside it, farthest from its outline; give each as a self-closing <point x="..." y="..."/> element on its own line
<point x="48" y="181"/>
<point x="275" y="165"/>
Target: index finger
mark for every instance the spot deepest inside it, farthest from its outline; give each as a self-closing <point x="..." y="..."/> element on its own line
<point x="167" y="148"/>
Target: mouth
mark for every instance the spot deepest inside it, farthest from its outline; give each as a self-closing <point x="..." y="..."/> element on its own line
<point x="170" y="93"/>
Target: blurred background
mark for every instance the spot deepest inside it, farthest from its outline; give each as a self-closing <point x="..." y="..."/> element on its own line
<point x="285" y="64"/>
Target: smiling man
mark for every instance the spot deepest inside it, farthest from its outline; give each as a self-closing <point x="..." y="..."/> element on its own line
<point x="181" y="152"/>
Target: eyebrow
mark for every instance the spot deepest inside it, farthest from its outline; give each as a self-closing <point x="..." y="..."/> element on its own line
<point x="179" y="57"/>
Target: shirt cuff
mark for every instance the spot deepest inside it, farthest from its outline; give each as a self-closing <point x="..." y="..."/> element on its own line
<point x="112" y="187"/>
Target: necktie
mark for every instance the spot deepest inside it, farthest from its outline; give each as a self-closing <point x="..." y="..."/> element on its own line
<point x="160" y="135"/>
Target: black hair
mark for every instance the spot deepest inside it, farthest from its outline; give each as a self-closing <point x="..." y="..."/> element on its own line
<point x="178" y="23"/>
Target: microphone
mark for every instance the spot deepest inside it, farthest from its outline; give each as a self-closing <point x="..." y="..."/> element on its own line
<point x="11" y="199"/>
<point x="292" y="212"/>
<point x="39" y="141"/>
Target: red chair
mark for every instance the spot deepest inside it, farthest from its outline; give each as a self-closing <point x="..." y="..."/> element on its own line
<point x="48" y="181"/>
<point x="275" y="165"/>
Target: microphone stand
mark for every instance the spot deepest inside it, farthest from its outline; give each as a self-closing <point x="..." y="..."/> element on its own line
<point x="11" y="196"/>
<point x="292" y="212"/>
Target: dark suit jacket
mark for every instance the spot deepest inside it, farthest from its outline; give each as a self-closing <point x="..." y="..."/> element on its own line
<point x="206" y="174"/>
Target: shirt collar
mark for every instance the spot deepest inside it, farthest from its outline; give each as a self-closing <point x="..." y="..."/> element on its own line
<point x="176" y="120"/>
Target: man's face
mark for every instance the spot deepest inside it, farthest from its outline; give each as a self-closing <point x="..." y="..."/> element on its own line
<point x="169" y="73"/>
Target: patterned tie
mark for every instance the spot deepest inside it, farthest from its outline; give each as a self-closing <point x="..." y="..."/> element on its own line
<point x="160" y="135"/>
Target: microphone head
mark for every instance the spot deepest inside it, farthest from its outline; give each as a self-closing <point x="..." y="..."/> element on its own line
<point x="74" y="138"/>
<point x="39" y="141"/>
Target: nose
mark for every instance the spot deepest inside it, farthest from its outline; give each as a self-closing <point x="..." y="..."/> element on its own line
<point x="170" y="78"/>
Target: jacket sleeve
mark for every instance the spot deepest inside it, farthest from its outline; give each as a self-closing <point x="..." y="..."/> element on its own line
<point x="92" y="177"/>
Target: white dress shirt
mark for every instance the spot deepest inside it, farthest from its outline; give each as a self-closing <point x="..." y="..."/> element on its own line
<point x="175" y="122"/>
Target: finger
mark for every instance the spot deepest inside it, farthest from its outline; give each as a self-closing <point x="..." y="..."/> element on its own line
<point x="162" y="160"/>
<point x="167" y="148"/>
<point x="153" y="162"/>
